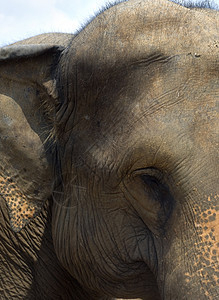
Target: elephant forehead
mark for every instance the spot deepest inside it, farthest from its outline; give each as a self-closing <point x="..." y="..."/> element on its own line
<point x="170" y="102"/>
<point x="142" y="69"/>
<point x="158" y="54"/>
<point x="133" y="28"/>
<point x="175" y="117"/>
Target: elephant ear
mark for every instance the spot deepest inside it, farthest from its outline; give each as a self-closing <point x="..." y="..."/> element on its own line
<point x="28" y="99"/>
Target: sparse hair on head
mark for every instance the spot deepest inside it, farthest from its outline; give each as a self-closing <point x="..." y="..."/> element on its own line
<point x="201" y="4"/>
<point x="204" y="4"/>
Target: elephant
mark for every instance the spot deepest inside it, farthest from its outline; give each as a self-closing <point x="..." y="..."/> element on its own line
<point x="109" y="158"/>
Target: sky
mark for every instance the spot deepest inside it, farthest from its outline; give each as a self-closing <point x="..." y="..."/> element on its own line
<point x="20" y="19"/>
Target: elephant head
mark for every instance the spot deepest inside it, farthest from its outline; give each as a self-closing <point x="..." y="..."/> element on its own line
<point x="125" y="139"/>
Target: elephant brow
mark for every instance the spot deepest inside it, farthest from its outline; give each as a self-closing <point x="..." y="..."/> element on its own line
<point x="154" y="58"/>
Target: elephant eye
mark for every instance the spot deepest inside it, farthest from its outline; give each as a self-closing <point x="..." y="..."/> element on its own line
<point x="150" y="176"/>
<point x="153" y="183"/>
<point x="149" y="193"/>
<point x="150" y="180"/>
<point x="153" y="187"/>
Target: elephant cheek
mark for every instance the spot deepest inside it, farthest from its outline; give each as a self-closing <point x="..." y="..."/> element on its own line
<point x="190" y="260"/>
<point x="61" y="229"/>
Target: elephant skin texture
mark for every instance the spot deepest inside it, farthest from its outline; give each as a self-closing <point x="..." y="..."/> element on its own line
<point x="109" y="158"/>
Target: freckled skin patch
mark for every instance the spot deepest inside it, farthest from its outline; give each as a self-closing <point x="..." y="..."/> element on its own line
<point x="207" y="247"/>
<point x="21" y="209"/>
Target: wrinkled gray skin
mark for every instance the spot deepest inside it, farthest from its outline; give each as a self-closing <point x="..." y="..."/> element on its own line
<point x="119" y="131"/>
<point x="29" y="268"/>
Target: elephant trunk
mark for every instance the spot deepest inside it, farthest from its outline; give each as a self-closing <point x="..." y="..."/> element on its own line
<point x="189" y="265"/>
<point x="185" y="284"/>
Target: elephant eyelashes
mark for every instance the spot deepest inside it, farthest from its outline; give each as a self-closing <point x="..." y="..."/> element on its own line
<point x="151" y="180"/>
<point x="156" y="188"/>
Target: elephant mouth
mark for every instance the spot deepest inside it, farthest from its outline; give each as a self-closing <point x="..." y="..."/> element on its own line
<point x="144" y="284"/>
<point x="119" y="278"/>
<point x="133" y="281"/>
